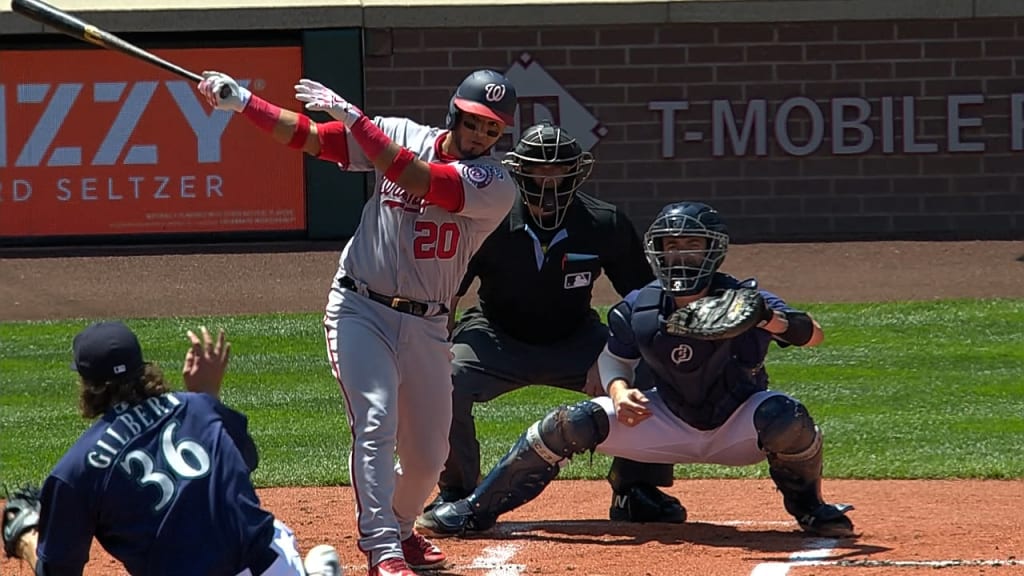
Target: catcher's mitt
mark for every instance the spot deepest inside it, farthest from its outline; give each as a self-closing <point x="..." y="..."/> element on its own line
<point x="721" y="316"/>
<point x="21" y="514"/>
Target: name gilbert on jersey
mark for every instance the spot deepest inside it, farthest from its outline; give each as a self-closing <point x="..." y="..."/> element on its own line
<point x="129" y="423"/>
<point x="394" y="196"/>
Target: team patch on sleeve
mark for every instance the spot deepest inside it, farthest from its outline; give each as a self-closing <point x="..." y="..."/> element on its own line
<point x="481" y="176"/>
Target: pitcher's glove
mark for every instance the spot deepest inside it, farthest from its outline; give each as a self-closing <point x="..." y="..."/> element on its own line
<point x="21" y="514"/>
<point x="720" y="317"/>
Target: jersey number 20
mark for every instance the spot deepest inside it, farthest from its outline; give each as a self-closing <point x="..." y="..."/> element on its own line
<point x="186" y="459"/>
<point x="433" y="241"/>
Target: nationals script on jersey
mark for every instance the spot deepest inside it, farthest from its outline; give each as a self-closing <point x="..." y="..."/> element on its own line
<point x="407" y="247"/>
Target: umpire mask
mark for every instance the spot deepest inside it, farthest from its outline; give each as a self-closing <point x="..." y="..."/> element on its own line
<point x="684" y="271"/>
<point x="548" y="166"/>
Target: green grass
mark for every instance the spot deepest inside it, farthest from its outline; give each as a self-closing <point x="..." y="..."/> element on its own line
<point x="901" y="390"/>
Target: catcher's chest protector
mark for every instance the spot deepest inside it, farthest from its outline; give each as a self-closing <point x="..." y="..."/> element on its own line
<point x="701" y="382"/>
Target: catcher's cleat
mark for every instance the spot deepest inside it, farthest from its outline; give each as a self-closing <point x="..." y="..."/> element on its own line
<point x="645" y="503"/>
<point x="828" y="520"/>
<point x="422" y="553"/>
<point x="445" y="495"/>
<point x="451" y="519"/>
<point x="323" y="560"/>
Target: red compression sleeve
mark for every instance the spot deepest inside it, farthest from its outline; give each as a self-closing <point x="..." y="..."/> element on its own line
<point x="301" y="133"/>
<point x="402" y="159"/>
<point x="446" y="188"/>
<point x="370" y="138"/>
<point x="333" y="142"/>
<point x="261" y="113"/>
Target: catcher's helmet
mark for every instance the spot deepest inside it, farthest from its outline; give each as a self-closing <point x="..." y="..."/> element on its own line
<point x="678" y="271"/>
<point x="485" y="93"/>
<point x="545" y="144"/>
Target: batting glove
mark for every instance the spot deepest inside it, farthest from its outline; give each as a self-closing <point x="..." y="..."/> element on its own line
<point x="319" y="98"/>
<point x="211" y="88"/>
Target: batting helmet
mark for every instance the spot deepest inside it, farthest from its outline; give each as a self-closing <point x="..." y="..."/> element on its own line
<point x="686" y="272"/>
<point x="485" y="93"/>
<point x="545" y="144"/>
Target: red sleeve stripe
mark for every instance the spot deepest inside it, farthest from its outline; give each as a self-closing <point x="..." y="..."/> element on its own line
<point x="446" y="188"/>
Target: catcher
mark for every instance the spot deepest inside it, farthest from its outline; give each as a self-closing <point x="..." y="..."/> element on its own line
<point x="161" y="479"/>
<point x="704" y="335"/>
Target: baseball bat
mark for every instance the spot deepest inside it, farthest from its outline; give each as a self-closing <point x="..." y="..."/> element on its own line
<point x="76" y="28"/>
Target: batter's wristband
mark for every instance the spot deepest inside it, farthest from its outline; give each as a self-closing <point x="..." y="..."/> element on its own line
<point x="370" y="138"/>
<point x="262" y="113"/>
<point x="401" y="161"/>
<point x="298" y="140"/>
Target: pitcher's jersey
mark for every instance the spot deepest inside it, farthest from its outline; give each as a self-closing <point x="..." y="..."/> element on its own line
<point x="407" y="247"/>
<point x="164" y="486"/>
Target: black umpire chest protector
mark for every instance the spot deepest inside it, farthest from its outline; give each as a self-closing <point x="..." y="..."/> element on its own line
<point x="701" y="382"/>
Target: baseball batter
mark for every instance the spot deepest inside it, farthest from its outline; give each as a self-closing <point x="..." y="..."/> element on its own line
<point x="711" y="402"/>
<point x="438" y="195"/>
<point x="161" y="479"/>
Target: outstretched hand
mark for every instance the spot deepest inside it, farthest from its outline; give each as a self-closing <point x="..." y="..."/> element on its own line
<point x="205" y="363"/>
<point x="320" y="98"/>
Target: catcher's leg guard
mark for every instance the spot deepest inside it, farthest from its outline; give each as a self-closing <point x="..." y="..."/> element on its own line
<point x="524" y="472"/>
<point x="635" y="497"/>
<point x="792" y="444"/>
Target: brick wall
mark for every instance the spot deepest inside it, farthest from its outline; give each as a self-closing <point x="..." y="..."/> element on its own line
<point x="910" y="169"/>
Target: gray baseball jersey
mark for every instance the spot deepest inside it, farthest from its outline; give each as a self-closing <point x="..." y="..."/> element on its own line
<point x="409" y="248"/>
<point x="394" y="368"/>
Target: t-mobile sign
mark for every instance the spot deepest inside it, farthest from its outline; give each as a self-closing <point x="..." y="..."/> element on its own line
<point x="855" y="125"/>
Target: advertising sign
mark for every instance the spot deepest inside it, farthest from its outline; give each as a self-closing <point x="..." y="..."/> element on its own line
<point x="93" y="142"/>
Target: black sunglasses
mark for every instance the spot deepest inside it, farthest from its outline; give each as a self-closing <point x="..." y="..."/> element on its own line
<point x="472" y="126"/>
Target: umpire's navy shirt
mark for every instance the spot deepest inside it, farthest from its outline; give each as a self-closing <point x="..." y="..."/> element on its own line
<point x="540" y="292"/>
<point x="164" y="486"/>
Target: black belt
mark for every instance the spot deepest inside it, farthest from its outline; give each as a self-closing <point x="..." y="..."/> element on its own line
<point x="414" y="307"/>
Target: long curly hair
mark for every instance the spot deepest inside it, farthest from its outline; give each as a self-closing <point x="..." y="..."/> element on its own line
<point x="98" y="397"/>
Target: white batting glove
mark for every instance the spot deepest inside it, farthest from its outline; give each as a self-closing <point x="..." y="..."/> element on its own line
<point x="212" y="86"/>
<point x="319" y="98"/>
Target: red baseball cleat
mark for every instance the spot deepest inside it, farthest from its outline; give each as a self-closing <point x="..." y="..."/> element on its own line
<point x="391" y="567"/>
<point x="422" y="553"/>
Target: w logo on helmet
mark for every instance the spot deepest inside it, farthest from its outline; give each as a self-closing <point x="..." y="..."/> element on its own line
<point x="494" y="92"/>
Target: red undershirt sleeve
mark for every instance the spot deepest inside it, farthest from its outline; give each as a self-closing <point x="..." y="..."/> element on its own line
<point x="446" y="190"/>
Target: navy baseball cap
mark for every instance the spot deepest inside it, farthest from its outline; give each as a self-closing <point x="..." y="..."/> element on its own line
<point x="106" y="350"/>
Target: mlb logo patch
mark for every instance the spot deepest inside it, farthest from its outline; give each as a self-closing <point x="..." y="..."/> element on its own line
<point x="578" y="280"/>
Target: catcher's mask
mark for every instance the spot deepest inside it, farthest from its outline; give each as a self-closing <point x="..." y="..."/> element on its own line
<point x="686" y="272"/>
<point x="548" y="166"/>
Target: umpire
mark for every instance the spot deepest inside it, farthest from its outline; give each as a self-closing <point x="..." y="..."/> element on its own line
<point x="534" y="323"/>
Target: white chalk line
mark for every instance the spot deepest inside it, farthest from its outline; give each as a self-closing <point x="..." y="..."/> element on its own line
<point x="496" y="559"/>
<point x="910" y="563"/>
<point x="815" y="549"/>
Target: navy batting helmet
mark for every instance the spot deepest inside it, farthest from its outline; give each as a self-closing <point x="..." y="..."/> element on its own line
<point x="686" y="272"/>
<point x="545" y="144"/>
<point x="485" y="93"/>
